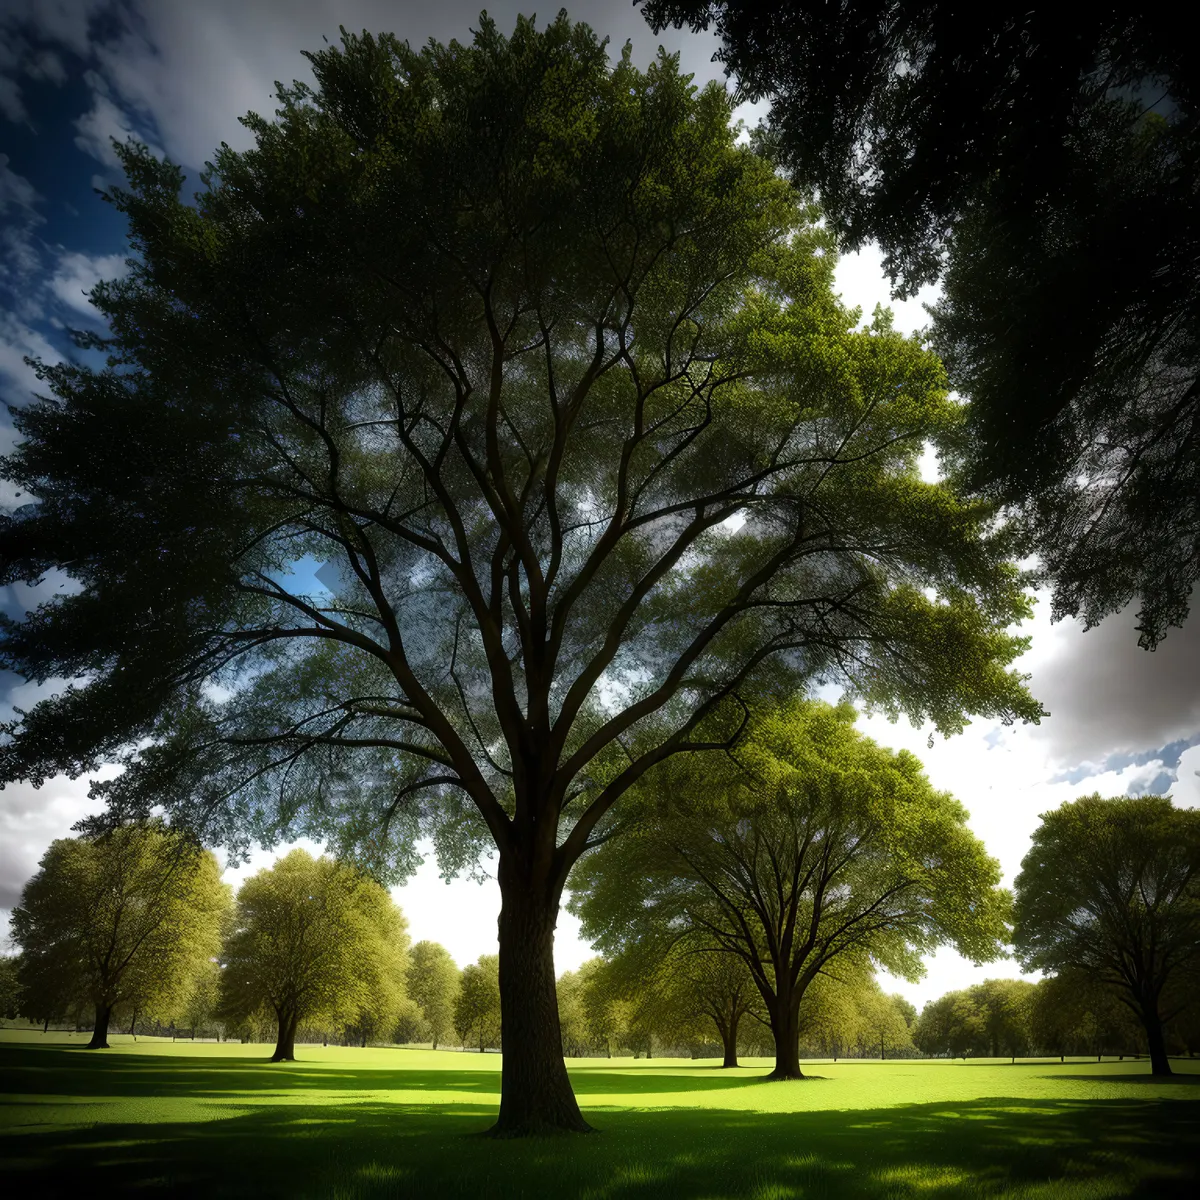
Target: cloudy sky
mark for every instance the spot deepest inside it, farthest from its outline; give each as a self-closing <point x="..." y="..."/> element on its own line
<point x="177" y="74"/>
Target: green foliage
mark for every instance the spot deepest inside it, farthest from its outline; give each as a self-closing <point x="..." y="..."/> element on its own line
<point x="1111" y="887"/>
<point x="127" y="919"/>
<point x="814" y="847"/>
<point x="1072" y="1013"/>
<point x="315" y="940"/>
<point x="10" y="986"/>
<point x="1048" y="165"/>
<point x="988" y="1019"/>
<point x="477" y="1005"/>
<point x="572" y="1019"/>
<point x="433" y="982"/>
<point x="396" y="335"/>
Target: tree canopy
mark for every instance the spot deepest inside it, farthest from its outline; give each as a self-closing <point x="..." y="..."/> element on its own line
<point x="545" y="369"/>
<point x="314" y="939"/>
<point x="812" y="845"/>
<point x="988" y="1019"/>
<point x="1111" y="887"/>
<point x="129" y="918"/>
<point x="1044" y="161"/>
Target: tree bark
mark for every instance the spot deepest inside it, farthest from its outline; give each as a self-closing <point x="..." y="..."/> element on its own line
<point x="100" y="1030"/>
<point x="535" y="1090"/>
<point x="285" y="1042"/>
<point x="728" y="1030"/>
<point x="785" y="1025"/>
<point x="1160" y="1064"/>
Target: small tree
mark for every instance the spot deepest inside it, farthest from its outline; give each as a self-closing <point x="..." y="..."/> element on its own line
<point x="433" y="983"/>
<point x="1073" y="1013"/>
<point x="1112" y="887"/>
<point x="819" y="845"/>
<point x="695" y="985"/>
<point x="477" y="1005"/>
<point x="126" y="918"/>
<point x="312" y="939"/>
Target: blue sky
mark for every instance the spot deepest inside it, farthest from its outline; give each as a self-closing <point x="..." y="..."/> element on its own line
<point x="177" y="75"/>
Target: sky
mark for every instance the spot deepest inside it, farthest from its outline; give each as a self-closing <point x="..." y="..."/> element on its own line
<point x="177" y="75"/>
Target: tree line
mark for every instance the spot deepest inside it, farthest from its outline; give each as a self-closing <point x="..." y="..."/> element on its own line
<point x="545" y="367"/>
<point x="747" y="904"/>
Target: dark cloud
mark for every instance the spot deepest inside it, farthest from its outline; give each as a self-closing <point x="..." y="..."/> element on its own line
<point x="1112" y="703"/>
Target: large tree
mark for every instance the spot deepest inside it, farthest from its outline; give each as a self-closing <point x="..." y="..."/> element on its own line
<point x="1045" y="162"/>
<point x="433" y="981"/>
<point x="813" y="844"/>
<point x="314" y="939"/>
<point x="546" y="369"/>
<point x="1111" y="887"/>
<point x="128" y="918"/>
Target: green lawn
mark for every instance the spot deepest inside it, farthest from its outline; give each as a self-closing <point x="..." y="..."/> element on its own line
<point x="180" y="1119"/>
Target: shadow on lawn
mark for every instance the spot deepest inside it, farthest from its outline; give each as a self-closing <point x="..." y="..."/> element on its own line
<point x="984" y="1148"/>
<point x="74" y="1071"/>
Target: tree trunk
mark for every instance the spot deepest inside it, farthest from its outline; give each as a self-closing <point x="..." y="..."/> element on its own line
<point x="285" y="1043"/>
<point x="1160" y="1064"/>
<point x="727" y="1029"/>
<point x="535" y="1090"/>
<point x="785" y="1025"/>
<point x="100" y="1031"/>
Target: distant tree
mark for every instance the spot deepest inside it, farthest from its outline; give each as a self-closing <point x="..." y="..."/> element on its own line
<point x="10" y="986"/>
<point x="548" y="371"/>
<point x="312" y="939"/>
<point x="1047" y="160"/>
<point x="477" y="1005"/>
<point x="953" y="1024"/>
<point x="1073" y="1013"/>
<point x="816" y="844"/>
<point x="606" y="1009"/>
<point x="1112" y="887"/>
<point x="384" y="970"/>
<point x="1006" y="1005"/>
<point x="683" y="995"/>
<point x="125" y="918"/>
<point x="433" y="982"/>
<point x="571" y="1015"/>
<point x="712" y="983"/>
<point x="882" y="1027"/>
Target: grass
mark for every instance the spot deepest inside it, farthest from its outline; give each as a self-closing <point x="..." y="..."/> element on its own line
<point x="182" y="1119"/>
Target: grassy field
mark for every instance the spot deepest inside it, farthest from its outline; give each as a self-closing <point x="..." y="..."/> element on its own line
<point x="179" y="1119"/>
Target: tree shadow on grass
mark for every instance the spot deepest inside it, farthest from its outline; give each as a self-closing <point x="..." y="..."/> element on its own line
<point x="69" y="1071"/>
<point x="983" y="1148"/>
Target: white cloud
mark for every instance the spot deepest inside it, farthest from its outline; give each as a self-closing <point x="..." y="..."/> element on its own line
<point x="30" y="819"/>
<point x="17" y="339"/>
<point x="76" y="275"/>
<point x="860" y="281"/>
<point x="101" y="123"/>
<point x="1186" y="790"/>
